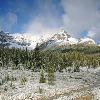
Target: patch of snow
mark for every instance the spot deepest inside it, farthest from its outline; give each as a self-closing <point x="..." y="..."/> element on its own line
<point x="64" y="84"/>
<point x="73" y="40"/>
<point x="85" y="40"/>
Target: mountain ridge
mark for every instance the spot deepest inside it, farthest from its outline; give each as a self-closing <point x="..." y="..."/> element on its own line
<point x="64" y="39"/>
<point x="57" y="39"/>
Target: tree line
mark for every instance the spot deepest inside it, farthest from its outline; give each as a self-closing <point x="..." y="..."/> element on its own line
<point x="58" y="60"/>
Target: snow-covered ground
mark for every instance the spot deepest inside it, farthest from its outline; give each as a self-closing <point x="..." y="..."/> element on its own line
<point x="24" y="85"/>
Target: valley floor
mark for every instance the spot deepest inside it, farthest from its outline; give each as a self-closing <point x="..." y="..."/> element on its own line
<point x="24" y="85"/>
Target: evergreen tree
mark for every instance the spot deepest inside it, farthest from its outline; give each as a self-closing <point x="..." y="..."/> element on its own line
<point x="37" y="58"/>
<point x="42" y="77"/>
<point x="50" y="74"/>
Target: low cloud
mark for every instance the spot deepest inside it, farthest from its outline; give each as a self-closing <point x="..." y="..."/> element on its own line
<point x="46" y="21"/>
<point x="80" y="15"/>
<point x="38" y="27"/>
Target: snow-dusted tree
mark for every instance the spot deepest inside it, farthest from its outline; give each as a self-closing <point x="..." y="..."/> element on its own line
<point x="42" y="77"/>
<point x="50" y="74"/>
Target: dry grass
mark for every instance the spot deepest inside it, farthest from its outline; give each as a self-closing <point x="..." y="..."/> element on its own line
<point x="87" y="97"/>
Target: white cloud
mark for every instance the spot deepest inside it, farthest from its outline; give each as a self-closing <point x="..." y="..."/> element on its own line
<point x="80" y="15"/>
<point x="91" y="34"/>
<point x="46" y="21"/>
<point x="94" y="33"/>
<point x="40" y="26"/>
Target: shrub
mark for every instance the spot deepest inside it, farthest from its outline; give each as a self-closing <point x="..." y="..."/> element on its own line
<point x="40" y="90"/>
<point x="23" y="79"/>
<point x="50" y="75"/>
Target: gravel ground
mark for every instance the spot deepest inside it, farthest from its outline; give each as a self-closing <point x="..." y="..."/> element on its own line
<point x="24" y="85"/>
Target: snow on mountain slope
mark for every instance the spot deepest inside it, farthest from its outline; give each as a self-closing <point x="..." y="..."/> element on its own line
<point x="26" y="40"/>
<point x="46" y="40"/>
<point x="73" y="40"/>
<point x="68" y="41"/>
<point x="87" y="41"/>
<point x="18" y="40"/>
<point x="60" y="38"/>
<point x="62" y="35"/>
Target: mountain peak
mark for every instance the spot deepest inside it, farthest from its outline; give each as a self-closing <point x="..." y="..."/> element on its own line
<point x="63" y="32"/>
<point x="61" y="35"/>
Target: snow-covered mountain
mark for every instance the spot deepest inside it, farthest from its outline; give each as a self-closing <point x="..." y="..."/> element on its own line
<point x="65" y="39"/>
<point x="28" y="40"/>
<point x="25" y="40"/>
<point x="58" y="39"/>
<point x="87" y="41"/>
<point x="18" y="40"/>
